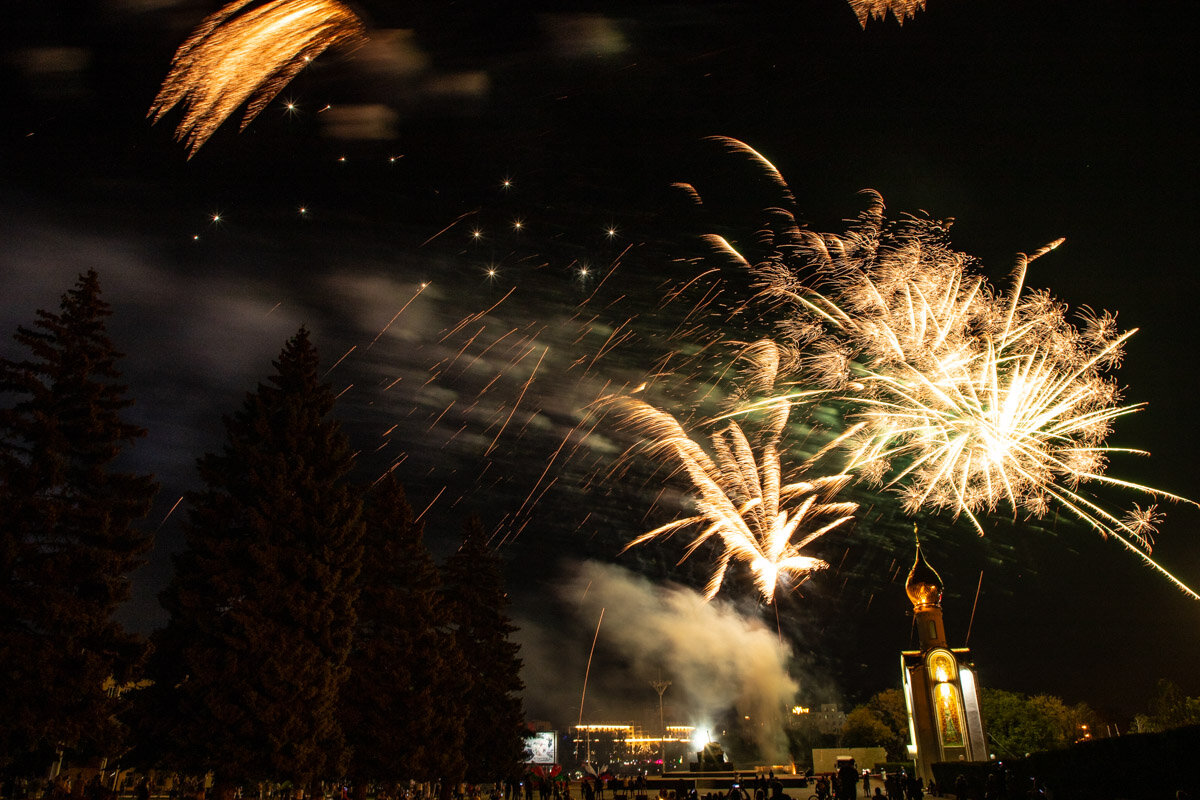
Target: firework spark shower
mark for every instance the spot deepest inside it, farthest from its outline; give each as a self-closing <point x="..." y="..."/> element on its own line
<point x="959" y="395"/>
<point x="743" y="500"/>
<point x="879" y="9"/>
<point x="248" y="51"/>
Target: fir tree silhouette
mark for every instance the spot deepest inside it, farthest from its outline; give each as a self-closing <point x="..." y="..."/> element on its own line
<point x="68" y="530"/>
<point x="251" y="662"/>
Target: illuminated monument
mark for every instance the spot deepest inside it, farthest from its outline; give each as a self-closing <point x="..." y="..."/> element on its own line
<point x="944" y="723"/>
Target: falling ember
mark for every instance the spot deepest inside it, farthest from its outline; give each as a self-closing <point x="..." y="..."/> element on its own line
<point x="180" y="500"/>
<point x="248" y="51"/>
<point x="586" y="672"/>
<point x="740" y="496"/>
<point x="520" y="397"/>
<point x="878" y="9"/>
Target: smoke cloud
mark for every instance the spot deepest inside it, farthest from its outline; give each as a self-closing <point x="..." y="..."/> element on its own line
<point x="716" y="658"/>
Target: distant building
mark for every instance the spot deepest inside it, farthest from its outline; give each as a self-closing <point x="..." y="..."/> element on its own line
<point x="827" y="719"/>
<point x="626" y="744"/>
<point x="944" y="722"/>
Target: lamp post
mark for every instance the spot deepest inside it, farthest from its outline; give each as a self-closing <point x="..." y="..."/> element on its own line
<point x="660" y="686"/>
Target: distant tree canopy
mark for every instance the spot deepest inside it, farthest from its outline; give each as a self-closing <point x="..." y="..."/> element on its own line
<point x="881" y="721"/>
<point x="68" y="530"/>
<point x="1017" y="724"/>
<point x="1169" y="708"/>
<point x="864" y="728"/>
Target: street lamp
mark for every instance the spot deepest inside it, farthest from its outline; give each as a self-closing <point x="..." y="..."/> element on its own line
<point x="660" y="686"/>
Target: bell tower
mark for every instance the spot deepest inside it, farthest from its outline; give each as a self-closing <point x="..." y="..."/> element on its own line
<point x="940" y="688"/>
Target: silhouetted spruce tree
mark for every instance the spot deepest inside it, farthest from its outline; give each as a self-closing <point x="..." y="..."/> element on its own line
<point x="251" y="662"/>
<point x="473" y="585"/>
<point x="68" y="535"/>
<point x="401" y="706"/>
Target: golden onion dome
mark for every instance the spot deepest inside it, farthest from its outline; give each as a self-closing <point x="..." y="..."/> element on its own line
<point x="924" y="586"/>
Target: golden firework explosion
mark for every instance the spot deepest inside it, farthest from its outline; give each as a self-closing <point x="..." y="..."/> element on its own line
<point x="247" y="52"/>
<point x="740" y="497"/>
<point x="961" y="396"/>
<point x="878" y="9"/>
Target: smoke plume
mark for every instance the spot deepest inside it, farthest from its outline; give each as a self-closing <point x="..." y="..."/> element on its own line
<point x="716" y="658"/>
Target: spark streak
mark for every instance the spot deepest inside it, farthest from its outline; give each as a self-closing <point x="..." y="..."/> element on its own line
<point x="517" y="402"/>
<point x="392" y="321"/>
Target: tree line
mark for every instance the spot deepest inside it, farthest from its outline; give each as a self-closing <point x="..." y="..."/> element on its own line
<point x="311" y="636"/>
<point x="1016" y="724"/>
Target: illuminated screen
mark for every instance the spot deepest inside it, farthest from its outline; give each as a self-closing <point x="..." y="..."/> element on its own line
<point x="541" y="748"/>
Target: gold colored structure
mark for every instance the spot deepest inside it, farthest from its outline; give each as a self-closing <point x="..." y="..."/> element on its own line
<point x="940" y="689"/>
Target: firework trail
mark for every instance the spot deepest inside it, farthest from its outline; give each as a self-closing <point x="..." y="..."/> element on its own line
<point x="878" y="9"/>
<point x="961" y="396"/>
<point x="248" y="52"/>
<point x="741" y="499"/>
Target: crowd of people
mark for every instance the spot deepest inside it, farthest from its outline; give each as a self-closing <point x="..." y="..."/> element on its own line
<point x="846" y="783"/>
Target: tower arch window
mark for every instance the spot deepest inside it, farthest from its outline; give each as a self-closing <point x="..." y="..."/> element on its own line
<point x="942" y="666"/>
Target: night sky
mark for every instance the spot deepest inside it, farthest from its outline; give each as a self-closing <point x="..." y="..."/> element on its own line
<point x="502" y="172"/>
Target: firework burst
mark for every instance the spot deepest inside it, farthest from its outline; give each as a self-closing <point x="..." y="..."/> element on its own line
<point x="961" y="396"/>
<point x="878" y="9"/>
<point x="741" y="499"/>
<point x="248" y="52"/>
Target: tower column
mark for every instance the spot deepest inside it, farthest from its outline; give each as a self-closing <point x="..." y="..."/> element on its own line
<point x="939" y="682"/>
<point x="930" y="629"/>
